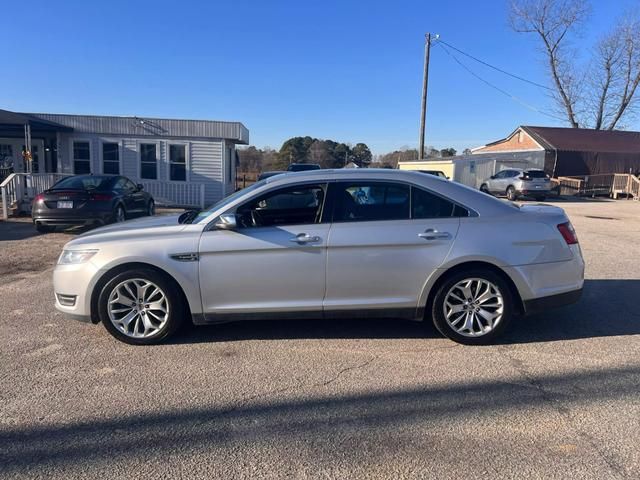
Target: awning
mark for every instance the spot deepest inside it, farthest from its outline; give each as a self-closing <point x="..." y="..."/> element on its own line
<point x="13" y="120"/>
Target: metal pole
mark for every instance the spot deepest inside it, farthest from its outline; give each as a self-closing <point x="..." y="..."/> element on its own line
<point x="425" y="82"/>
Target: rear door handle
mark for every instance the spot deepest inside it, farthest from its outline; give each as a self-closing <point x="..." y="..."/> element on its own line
<point x="431" y="234"/>
<point x="304" y="238"/>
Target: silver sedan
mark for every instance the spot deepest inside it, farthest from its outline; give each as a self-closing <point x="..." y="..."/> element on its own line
<point x="326" y="244"/>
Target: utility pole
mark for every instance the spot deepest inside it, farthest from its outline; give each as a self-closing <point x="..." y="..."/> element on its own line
<point x="425" y="82"/>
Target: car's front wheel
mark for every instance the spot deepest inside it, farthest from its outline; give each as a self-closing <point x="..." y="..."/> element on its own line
<point x="141" y="307"/>
<point x="119" y="215"/>
<point x="151" y="208"/>
<point x="473" y="307"/>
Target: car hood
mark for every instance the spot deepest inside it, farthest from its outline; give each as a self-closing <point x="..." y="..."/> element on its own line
<point x="137" y="224"/>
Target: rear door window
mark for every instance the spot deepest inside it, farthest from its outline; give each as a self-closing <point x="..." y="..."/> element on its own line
<point x="535" y="174"/>
<point x="371" y="201"/>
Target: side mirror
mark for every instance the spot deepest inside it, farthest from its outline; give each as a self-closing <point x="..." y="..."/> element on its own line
<point x="492" y="177"/>
<point x="227" y="221"/>
<point x="140" y="187"/>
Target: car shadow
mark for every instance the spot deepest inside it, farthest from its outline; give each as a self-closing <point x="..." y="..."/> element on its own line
<point x="607" y="308"/>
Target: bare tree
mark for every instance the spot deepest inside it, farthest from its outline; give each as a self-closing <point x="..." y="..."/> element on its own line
<point x="553" y="21"/>
<point x="601" y="94"/>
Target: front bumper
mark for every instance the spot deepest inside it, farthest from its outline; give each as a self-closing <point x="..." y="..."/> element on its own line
<point x="74" y="281"/>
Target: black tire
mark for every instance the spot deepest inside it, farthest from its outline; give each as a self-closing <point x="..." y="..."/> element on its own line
<point x="151" y="208"/>
<point x="438" y="306"/>
<point x="485" y="189"/>
<point x="540" y="198"/>
<point x="119" y="214"/>
<point x="43" y="228"/>
<point x="177" y="310"/>
<point x="511" y="194"/>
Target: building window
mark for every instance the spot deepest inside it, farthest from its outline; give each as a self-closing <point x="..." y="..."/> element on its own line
<point x="111" y="158"/>
<point x="148" y="161"/>
<point x="81" y="157"/>
<point x="178" y="163"/>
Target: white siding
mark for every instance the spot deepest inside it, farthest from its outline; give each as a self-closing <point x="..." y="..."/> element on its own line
<point x="206" y="159"/>
<point x="206" y="166"/>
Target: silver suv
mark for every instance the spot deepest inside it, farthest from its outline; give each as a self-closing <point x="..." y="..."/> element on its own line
<point x="327" y="244"/>
<point x="515" y="182"/>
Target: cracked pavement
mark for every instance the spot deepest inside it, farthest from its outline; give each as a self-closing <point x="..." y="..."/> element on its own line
<point x="558" y="398"/>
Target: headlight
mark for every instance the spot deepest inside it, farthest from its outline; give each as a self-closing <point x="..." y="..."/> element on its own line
<point x="72" y="257"/>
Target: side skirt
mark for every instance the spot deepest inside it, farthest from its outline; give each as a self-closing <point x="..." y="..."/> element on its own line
<point x="390" y="313"/>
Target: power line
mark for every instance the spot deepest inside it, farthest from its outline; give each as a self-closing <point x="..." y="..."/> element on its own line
<point x="504" y="92"/>
<point x="494" y="67"/>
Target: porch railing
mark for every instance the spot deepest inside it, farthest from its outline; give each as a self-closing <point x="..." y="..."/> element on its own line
<point x="612" y="184"/>
<point x="174" y="194"/>
<point x="19" y="189"/>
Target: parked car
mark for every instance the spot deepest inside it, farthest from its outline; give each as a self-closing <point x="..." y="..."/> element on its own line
<point x="264" y="175"/>
<point x="84" y="200"/>
<point x="515" y="182"/>
<point x="331" y="243"/>
<point x="302" y="167"/>
<point x="437" y="173"/>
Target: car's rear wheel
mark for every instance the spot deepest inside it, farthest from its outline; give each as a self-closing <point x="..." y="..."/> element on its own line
<point x="511" y="194"/>
<point x="473" y="307"/>
<point x="141" y="307"/>
<point x="484" y="188"/>
<point x="540" y="198"/>
<point x="151" y="209"/>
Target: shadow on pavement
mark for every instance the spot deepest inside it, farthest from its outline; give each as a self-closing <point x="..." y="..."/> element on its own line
<point x="607" y="308"/>
<point x="355" y="418"/>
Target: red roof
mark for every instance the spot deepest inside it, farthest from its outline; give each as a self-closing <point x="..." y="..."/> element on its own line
<point x="586" y="139"/>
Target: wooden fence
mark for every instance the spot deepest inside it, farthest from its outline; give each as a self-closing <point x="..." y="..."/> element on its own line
<point x="610" y="184"/>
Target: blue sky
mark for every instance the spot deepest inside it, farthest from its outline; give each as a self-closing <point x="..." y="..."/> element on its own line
<point x="345" y="70"/>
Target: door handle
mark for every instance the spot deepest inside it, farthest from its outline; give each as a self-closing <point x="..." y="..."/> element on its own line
<point x="432" y="234"/>
<point x="304" y="238"/>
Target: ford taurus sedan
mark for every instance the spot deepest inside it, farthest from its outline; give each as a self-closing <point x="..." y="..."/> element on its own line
<point x="327" y="244"/>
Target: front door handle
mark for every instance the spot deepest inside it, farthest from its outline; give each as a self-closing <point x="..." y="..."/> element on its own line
<point x="305" y="238"/>
<point x="432" y="234"/>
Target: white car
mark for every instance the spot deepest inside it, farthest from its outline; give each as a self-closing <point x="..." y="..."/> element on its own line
<point x="516" y="182"/>
<point x="327" y="243"/>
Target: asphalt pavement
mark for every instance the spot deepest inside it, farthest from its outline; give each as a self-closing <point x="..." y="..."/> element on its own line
<point x="559" y="397"/>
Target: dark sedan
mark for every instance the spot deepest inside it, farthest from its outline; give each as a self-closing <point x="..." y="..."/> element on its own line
<point x="88" y="200"/>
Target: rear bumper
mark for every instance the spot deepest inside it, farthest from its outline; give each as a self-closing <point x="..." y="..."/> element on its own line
<point x="536" y="305"/>
<point x="79" y="219"/>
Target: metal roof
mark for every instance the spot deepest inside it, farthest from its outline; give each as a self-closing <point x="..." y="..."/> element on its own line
<point x="138" y="126"/>
<point x="586" y="139"/>
<point x="161" y="127"/>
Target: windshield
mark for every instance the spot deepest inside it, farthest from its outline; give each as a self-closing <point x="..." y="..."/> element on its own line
<point x="226" y="201"/>
<point x="88" y="182"/>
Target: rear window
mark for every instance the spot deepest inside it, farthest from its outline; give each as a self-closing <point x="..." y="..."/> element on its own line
<point x="83" y="183"/>
<point x="535" y="174"/>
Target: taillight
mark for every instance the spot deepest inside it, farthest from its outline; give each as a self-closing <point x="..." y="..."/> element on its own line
<point x="524" y="177"/>
<point x="39" y="198"/>
<point x="568" y="233"/>
<point x="101" y="197"/>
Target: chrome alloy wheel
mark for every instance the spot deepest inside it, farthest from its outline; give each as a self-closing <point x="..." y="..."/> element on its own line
<point x="138" y="308"/>
<point x="473" y="307"/>
<point x="120" y="215"/>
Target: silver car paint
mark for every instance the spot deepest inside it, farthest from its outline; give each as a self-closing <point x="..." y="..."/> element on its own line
<point x="372" y="264"/>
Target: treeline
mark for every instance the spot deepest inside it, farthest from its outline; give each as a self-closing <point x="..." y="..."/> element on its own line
<point x="326" y="153"/>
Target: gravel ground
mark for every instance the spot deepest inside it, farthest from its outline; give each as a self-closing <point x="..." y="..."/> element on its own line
<point x="558" y="398"/>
